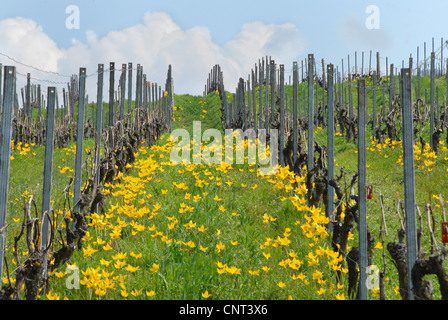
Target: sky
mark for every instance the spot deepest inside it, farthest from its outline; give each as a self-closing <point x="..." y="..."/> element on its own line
<point x="53" y="39"/>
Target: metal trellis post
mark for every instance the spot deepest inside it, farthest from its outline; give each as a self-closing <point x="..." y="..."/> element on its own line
<point x="409" y="176"/>
<point x="310" y="163"/>
<point x="5" y="153"/>
<point x="362" y="199"/>
<point x="330" y="144"/>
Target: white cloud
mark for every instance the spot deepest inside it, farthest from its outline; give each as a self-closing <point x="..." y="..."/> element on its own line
<point x="23" y="44"/>
<point x="282" y="42"/>
<point x="24" y="40"/>
<point x="155" y="43"/>
<point x="355" y="32"/>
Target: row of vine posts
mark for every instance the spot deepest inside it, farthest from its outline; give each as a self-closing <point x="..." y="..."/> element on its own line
<point x="50" y="245"/>
<point x="403" y="120"/>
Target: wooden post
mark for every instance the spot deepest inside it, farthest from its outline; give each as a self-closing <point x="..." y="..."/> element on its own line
<point x="362" y="200"/>
<point x="5" y="153"/>
<point x="409" y="176"/>
<point x="48" y="167"/>
<point x="80" y="141"/>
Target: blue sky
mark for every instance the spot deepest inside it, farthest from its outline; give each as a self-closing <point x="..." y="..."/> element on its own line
<point x="200" y="33"/>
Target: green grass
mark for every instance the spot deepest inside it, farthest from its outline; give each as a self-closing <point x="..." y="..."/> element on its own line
<point x="185" y="272"/>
